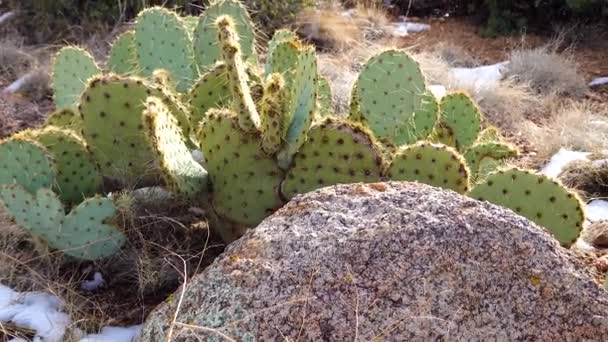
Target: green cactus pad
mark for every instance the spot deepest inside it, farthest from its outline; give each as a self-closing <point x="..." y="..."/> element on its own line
<point x="26" y="163"/>
<point x="77" y="174"/>
<point x="163" y="42"/>
<point x="64" y="118"/>
<point x="72" y="68"/>
<point x="123" y="55"/>
<point x="433" y="164"/>
<point x="324" y="96"/>
<point x="113" y="127"/>
<point x="536" y="197"/>
<point x="490" y="134"/>
<point x="391" y="97"/>
<point x="479" y="152"/>
<point x="272" y="108"/>
<point x="245" y="180"/>
<point x="82" y="233"/>
<point x="280" y="36"/>
<point x="181" y="172"/>
<point x="303" y="103"/>
<point x="190" y="22"/>
<point x="459" y="112"/>
<point x="206" y="47"/>
<point x="238" y="78"/>
<point x="336" y="152"/>
<point x="443" y="134"/>
<point x="211" y="91"/>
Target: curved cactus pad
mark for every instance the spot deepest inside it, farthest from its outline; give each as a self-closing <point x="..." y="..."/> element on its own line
<point x="324" y="97"/>
<point x="72" y="68"/>
<point x="82" y="234"/>
<point x="112" y="110"/>
<point x="336" y="152"/>
<point x="26" y="163"/>
<point x="163" y="42"/>
<point x="77" y="174"/>
<point x="432" y="164"/>
<point x="392" y="98"/>
<point x="536" y="197"/>
<point x="272" y="109"/>
<point x="180" y="171"/>
<point x="461" y="115"/>
<point x="479" y="152"/>
<point x="64" y="118"/>
<point x="245" y="180"/>
<point x="123" y="55"/>
<point x="443" y="134"/>
<point x="279" y="36"/>
<point x="206" y="47"/>
<point x="211" y="91"/>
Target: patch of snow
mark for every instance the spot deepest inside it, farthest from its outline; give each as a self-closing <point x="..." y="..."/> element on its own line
<point x="41" y="312"/>
<point x="19" y="83"/>
<point x="95" y="284"/>
<point x="4" y="17"/>
<point x="402" y="29"/>
<point x="438" y="91"/>
<point x="597" y="210"/>
<point x="114" y="334"/>
<point x="561" y="159"/>
<point x="598" y="81"/>
<point x="479" y="76"/>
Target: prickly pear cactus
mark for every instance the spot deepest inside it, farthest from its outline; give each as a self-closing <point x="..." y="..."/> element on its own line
<point x="113" y="127"/>
<point x="77" y="174"/>
<point x="164" y="79"/>
<point x="123" y="55"/>
<point x="443" y="134"/>
<point x="163" y="42"/>
<point x="245" y="180"/>
<point x="238" y="78"/>
<point x="461" y="115"/>
<point x="433" y="164"/>
<point x="536" y="197"/>
<point x="72" y="68"/>
<point x="206" y="47"/>
<point x="64" y="118"/>
<point x="390" y="96"/>
<point x="336" y="152"/>
<point x="483" y="153"/>
<point x="324" y="97"/>
<point x="82" y="234"/>
<point x="211" y="91"/>
<point x="26" y="163"/>
<point x="280" y="36"/>
<point x="181" y="172"/>
<point x="272" y="108"/>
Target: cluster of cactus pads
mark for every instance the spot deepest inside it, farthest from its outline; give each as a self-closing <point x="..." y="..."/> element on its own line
<point x="267" y="133"/>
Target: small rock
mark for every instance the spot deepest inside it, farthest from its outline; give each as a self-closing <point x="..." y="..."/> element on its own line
<point x="601" y="264"/>
<point x="596" y="234"/>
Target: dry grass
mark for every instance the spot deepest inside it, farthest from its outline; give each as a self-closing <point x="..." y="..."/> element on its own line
<point x="588" y="178"/>
<point x="546" y="71"/>
<point x="454" y="55"/>
<point x="581" y="126"/>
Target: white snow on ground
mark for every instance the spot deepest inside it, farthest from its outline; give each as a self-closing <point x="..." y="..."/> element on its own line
<point x="92" y="285"/>
<point x="560" y="160"/>
<point x="480" y="76"/>
<point x="597" y="210"/>
<point x="402" y="29"/>
<point x="43" y="313"/>
<point x="114" y="334"/>
<point x="438" y="91"/>
<point x="599" y="81"/>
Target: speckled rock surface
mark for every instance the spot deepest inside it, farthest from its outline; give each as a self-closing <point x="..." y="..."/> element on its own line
<point x="391" y="262"/>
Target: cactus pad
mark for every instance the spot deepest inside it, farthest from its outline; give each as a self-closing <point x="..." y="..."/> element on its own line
<point x="245" y="180"/>
<point x="211" y="91"/>
<point x="324" y="97"/>
<point x="163" y="42"/>
<point x="479" y="154"/>
<point x="64" y="118"/>
<point x="432" y="164"/>
<point x="72" y="68"/>
<point x="272" y="109"/>
<point x="392" y="99"/>
<point x="443" y="134"/>
<point x="181" y="172"/>
<point x="280" y="36"/>
<point x="82" y="233"/>
<point x="336" y="152"/>
<point x="206" y="47"/>
<point x="461" y="115"/>
<point x="536" y="197"/>
<point x="77" y="174"/>
<point x="113" y="126"/>
<point x="123" y="55"/>
<point x="26" y="163"/>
